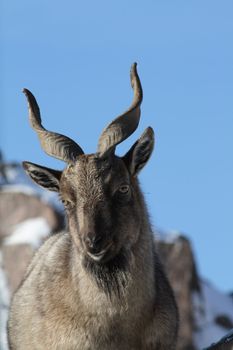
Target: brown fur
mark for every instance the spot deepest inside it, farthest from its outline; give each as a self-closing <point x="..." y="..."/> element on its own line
<point x="69" y="300"/>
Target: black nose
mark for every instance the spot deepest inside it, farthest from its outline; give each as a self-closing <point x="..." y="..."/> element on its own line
<point x="93" y="242"/>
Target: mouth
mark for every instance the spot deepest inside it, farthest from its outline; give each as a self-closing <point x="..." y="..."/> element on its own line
<point x="99" y="256"/>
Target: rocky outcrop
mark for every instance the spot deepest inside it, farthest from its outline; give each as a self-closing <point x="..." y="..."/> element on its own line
<point x="206" y="314"/>
<point x="226" y="343"/>
<point x="15" y="207"/>
<point x="26" y="220"/>
<point x="177" y="257"/>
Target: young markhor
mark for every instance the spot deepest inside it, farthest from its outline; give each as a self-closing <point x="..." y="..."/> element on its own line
<point x="99" y="285"/>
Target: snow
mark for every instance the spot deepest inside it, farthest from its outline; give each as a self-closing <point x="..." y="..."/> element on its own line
<point x="207" y="306"/>
<point x="18" y="189"/>
<point x="31" y="231"/>
<point x="4" y="305"/>
<point x="228" y="338"/>
<point x="14" y="174"/>
<point x="169" y="237"/>
<point x="19" y="182"/>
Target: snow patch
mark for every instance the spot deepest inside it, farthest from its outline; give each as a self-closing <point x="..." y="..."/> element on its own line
<point x="46" y="196"/>
<point x="31" y="231"/>
<point x="169" y="237"/>
<point x="18" y="181"/>
<point x="209" y="304"/>
<point x="18" y="189"/>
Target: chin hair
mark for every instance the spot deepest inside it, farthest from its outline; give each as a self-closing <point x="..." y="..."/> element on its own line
<point x="111" y="276"/>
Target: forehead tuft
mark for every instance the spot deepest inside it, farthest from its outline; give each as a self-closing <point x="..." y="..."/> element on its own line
<point x="90" y="163"/>
<point x="91" y="168"/>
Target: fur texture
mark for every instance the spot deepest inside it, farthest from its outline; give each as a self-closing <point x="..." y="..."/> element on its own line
<point x="70" y="301"/>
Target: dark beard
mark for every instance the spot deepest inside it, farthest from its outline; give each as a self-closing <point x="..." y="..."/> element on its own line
<point x="111" y="276"/>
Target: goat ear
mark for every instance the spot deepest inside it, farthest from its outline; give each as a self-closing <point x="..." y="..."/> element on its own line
<point x="140" y="152"/>
<point x="45" y="177"/>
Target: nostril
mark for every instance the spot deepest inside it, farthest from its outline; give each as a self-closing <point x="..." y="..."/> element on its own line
<point x="98" y="240"/>
<point x="89" y="240"/>
<point x="93" y="241"/>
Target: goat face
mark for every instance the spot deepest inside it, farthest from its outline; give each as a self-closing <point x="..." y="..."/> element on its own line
<point x="101" y="205"/>
<point x="99" y="191"/>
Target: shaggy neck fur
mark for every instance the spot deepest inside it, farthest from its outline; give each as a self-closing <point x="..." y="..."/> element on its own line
<point x="112" y="276"/>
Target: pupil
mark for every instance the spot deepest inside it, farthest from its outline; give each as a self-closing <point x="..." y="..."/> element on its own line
<point x="124" y="189"/>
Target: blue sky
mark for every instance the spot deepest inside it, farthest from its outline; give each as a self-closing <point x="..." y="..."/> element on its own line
<point x="75" y="57"/>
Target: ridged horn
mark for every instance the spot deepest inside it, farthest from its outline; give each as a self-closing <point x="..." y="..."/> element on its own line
<point x="55" y="145"/>
<point x="124" y="125"/>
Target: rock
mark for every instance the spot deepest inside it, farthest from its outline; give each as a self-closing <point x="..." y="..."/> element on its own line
<point x="25" y="222"/>
<point x="226" y="343"/>
<point x="16" y="207"/>
<point x="224" y="321"/>
<point x="178" y="259"/>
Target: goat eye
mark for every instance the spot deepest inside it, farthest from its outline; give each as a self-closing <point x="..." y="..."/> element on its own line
<point x="123" y="189"/>
<point x="66" y="203"/>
